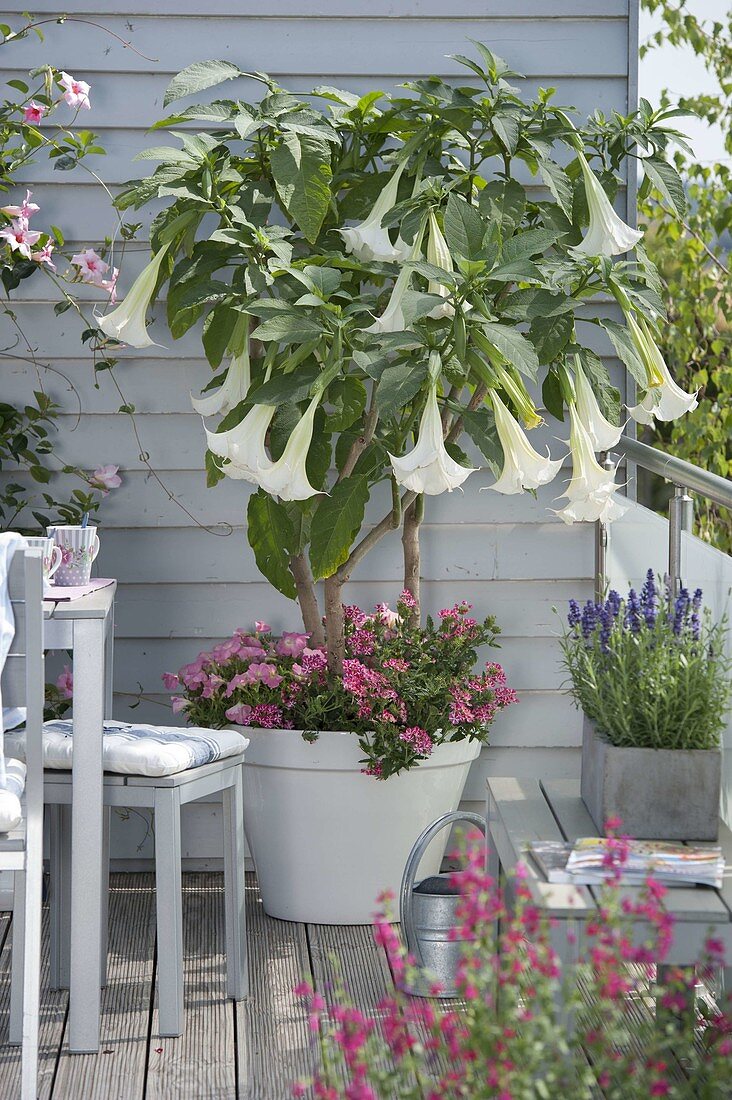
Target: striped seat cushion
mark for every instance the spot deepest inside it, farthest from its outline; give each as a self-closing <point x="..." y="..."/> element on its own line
<point x="11" y="792"/>
<point x="136" y="749"/>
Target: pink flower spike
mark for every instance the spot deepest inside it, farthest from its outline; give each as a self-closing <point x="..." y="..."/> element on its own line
<point x="92" y="267"/>
<point x="33" y="112"/>
<point x="25" y="211"/>
<point x="65" y="683"/>
<point x="19" y="237"/>
<point x="105" y="478"/>
<point x="43" y="255"/>
<point x="76" y="92"/>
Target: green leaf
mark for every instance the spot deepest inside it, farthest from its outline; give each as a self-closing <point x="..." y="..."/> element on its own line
<point x="552" y="396"/>
<point x="348" y="398"/>
<point x="271" y="537"/>
<point x="217" y="330"/>
<point x="200" y="75"/>
<point x="302" y="174"/>
<point x="550" y="335"/>
<point x="336" y="524"/>
<point x="398" y="385"/>
<point x="480" y="424"/>
<point x="288" y="329"/>
<point x="513" y="346"/>
<point x="624" y="346"/>
<point x="506" y="126"/>
<point x="288" y="388"/>
<point x="503" y="202"/>
<point x="667" y="182"/>
<point x="529" y="243"/>
<point x="557" y="180"/>
<point x="464" y="228"/>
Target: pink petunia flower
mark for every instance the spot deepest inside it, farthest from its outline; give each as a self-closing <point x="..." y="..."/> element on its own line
<point x="20" y="238"/>
<point x="33" y="112"/>
<point x="105" y="478"/>
<point x="227" y="649"/>
<point x="178" y="704"/>
<point x="292" y="644"/>
<point x="170" y="681"/>
<point x="65" y="683"/>
<point x="43" y="255"/>
<point x="267" y="674"/>
<point x="76" y="92"/>
<point x="25" y="211"/>
<point x="240" y="714"/>
<point x="262" y="627"/>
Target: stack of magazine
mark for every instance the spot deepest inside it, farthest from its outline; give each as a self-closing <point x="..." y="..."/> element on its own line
<point x="585" y="862"/>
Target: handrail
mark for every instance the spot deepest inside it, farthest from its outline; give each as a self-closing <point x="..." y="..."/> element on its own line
<point x="676" y="470"/>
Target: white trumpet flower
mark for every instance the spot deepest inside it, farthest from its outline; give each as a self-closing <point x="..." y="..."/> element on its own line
<point x="243" y="445"/>
<point x="287" y="478"/>
<point x="523" y="467"/>
<point x="607" y="233"/>
<point x="438" y="254"/>
<point x="234" y="389"/>
<point x="664" y="399"/>
<point x="591" y="488"/>
<point x="603" y="435"/>
<point x="368" y="240"/>
<point x="127" y="321"/>
<point x="392" y="319"/>
<point x="428" y="468"/>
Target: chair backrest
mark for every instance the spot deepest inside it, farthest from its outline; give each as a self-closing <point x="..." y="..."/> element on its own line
<point x="23" y="679"/>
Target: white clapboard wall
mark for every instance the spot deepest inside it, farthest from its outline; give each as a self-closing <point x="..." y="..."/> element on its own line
<point x="184" y="582"/>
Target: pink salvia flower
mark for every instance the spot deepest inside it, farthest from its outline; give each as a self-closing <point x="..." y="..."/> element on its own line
<point x="65" y="683"/>
<point x="76" y="92"/>
<point x="105" y="478"/>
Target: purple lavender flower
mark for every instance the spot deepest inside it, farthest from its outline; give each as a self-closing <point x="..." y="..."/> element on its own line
<point x="589" y="619"/>
<point x="648" y="598"/>
<point x="697" y="600"/>
<point x="607" y="619"/>
<point x="574" y="616"/>
<point x="681" y="610"/>
<point x="613" y="603"/>
<point x="633" y="613"/>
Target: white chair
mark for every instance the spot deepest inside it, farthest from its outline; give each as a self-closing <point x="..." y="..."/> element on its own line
<point x="165" y="795"/>
<point x="21" y="849"/>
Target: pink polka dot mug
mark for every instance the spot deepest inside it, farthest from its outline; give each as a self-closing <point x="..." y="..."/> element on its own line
<point x="79" y="547"/>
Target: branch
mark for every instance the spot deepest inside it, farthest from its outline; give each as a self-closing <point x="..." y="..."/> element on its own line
<point x="307" y="598"/>
<point x="410" y="545"/>
<point x="475" y="400"/>
<point x="370" y="540"/>
<point x="715" y="259"/>
<point x="362" y="441"/>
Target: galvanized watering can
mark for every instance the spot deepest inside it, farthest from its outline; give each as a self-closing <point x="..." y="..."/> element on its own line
<point x="428" y="912"/>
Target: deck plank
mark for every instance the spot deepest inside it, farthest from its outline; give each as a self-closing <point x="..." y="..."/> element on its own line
<point x="119" y="1069"/>
<point x="275" y="1044"/>
<point x="201" y="1062"/>
<point x="52" y="1023"/>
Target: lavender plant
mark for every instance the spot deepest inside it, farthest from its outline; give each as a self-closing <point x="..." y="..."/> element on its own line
<point x="649" y="670"/>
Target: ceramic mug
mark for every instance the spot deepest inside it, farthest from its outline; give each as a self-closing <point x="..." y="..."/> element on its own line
<point x="51" y="555"/>
<point x="79" y="547"/>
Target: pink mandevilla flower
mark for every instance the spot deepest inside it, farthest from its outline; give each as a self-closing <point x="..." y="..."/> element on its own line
<point x="33" y="112"/>
<point x="25" y="211"/>
<point x="65" y="683"/>
<point x="20" y="238"/>
<point x="76" y="92"/>
<point x="105" y="478"/>
<point x="43" y="255"/>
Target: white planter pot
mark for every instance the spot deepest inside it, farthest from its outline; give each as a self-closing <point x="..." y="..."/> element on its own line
<point x="326" y="839"/>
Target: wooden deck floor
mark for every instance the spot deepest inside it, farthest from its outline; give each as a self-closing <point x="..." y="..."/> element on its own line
<point x="251" y="1051"/>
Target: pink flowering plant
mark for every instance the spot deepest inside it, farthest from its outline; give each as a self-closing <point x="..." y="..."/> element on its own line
<point x="403" y="690"/>
<point x="526" y="1026"/>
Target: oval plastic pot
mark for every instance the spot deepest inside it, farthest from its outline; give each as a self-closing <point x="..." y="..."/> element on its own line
<point x="327" y="839"/>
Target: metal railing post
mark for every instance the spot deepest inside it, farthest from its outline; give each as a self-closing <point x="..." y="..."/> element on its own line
<point x="680" y="518"/>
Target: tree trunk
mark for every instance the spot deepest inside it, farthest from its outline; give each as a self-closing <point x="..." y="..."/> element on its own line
<point x="410" y="544"/>
<point x="307" y="598"/>
<point x="334" y="624"/>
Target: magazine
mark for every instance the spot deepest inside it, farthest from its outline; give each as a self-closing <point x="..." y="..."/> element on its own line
<point x="668" y="862"/>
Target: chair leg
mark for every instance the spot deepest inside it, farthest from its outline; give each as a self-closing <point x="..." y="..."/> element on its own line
<point x="237" y="971"/>
<point x="169" y="900"/>
<point x="15" y="1036"/>
<point x="60" y="894"/>
<point x="104" y="915"/>
<point x="32" y="961"/>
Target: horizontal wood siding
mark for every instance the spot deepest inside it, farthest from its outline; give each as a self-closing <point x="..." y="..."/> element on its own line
<point x="184" y="582"/>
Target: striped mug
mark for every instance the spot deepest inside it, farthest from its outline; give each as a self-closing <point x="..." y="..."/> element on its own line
<point x="79" y="547"/>
<point x="51" y="555"/>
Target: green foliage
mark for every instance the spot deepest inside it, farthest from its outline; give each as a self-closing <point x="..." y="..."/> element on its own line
<point x="693" y="259"/>
<point x="649" y="671"/>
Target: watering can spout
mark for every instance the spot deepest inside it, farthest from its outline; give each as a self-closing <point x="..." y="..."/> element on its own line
<point x="428" y="912"/>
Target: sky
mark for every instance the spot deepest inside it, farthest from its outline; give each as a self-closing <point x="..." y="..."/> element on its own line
<point x="683" y="73"/>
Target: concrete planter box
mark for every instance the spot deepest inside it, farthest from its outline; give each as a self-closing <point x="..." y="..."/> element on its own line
<point x="659" y="794"/>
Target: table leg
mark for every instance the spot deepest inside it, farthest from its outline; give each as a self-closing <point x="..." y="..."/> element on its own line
<point x="86" y="835"/>
<point x="109" y="666"/>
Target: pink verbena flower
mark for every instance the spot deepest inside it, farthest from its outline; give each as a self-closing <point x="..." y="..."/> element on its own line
<point x="398" y="664"/>
<point x="384" y="614"/>
<point x="241" y="714"/>
<point x="418" y="738"/>
<point x="407" y="599"/>
<point x="105" y="478"/>
<point x="362" y="642"/>
<point x="76" y="92"/>
<point x="313" y="660"/>
<point x="25" y="211"/>
<point x="170" y="680"/>
<point x="266" y="715"/>
<point x="65" y="683"/>
<point x="354" y="614"/>
<point x="33" y="112"/>
<point x="20" y="238"/>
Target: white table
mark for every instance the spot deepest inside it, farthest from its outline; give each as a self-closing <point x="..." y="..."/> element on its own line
<point x="86" y="626"/>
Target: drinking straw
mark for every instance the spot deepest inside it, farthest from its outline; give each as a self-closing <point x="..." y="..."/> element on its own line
<point x="85" y="519"/>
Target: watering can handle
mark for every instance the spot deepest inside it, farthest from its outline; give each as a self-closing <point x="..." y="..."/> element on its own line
<point x="406" y="904"/>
